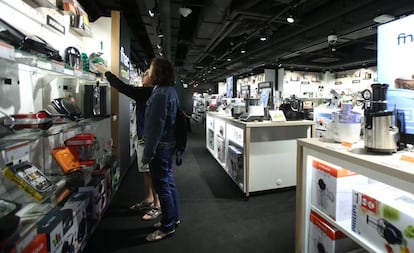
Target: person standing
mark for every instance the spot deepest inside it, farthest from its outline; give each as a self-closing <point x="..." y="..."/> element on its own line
<point x="150" y="204"/>
<point x="159" y="139"/>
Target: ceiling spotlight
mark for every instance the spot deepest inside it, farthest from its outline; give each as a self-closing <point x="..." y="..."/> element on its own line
<point x="384" y="18"/>
<point x="242" y="50"/>
<point x="290" y="19"/>
<point x="152" y="12"/>
<point x="185" y="11"/>
<point x="160" y="34"/>
<point x="263" y="35"/>
<point x="228" y="59"/>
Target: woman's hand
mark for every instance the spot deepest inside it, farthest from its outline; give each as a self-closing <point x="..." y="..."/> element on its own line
<point x="101" y="68"/>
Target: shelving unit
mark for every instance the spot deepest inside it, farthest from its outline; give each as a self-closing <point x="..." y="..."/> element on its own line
<point x="28" y="84"/>
<point x="268" y="150"/>
<point x="392" y="170"/>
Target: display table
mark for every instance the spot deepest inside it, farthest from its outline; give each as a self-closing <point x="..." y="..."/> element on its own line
<point x="395" y="170"/>
<point x="258" y="156"/>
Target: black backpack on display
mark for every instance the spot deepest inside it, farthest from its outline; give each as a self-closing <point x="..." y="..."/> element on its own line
<point x="181" y="134"/>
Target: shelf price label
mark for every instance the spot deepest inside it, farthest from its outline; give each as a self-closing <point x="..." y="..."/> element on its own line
<point x="14" y="152"/>
<point x="58" y="66"/>
<point x="7" y="51"/>
<point x="44" y="65"/>
<point x="407" y="158"/>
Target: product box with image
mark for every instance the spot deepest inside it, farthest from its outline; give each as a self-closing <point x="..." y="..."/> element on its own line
<point x="332" y="189"/>
<point x="54" y="224"/>
<point x="324" y="237"/>
<point x="77" y="235"/>
<point x="384" y="216"/>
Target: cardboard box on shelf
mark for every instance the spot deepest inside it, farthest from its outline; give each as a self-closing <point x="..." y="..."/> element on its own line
<point x="324" y="237"/>
<point x="384" y="216"/>
<point x="76" y="237"/>
<point x="332" y="189"/>
<point x="53" y="225"/>
<point x="38" y="245"/>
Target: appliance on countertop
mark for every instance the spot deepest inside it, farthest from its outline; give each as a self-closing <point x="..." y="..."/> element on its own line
<point x="346" y="124"/>
<point x="293" y="108"/>
<point x="380" y="132"/>
<point x="254" y="111"/>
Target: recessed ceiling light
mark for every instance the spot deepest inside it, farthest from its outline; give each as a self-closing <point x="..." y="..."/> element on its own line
<point x="384" y="18"/>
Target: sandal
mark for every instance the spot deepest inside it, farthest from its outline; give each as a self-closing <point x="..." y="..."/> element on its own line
<point x="152" y="214"/>
<point x="141" y="206"/>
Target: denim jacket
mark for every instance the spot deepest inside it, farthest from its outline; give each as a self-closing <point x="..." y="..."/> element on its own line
<point x="159" y="131"/>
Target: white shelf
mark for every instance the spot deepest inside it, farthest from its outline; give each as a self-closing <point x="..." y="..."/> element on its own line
<point x="345" y="227"/>
<point x="389" y="169"/>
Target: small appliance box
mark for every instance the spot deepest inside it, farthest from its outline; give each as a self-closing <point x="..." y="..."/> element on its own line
<point x="37" y="245"/>
<point x="54" y="225"/>
<point x="332" y="189"/>
<point x="77" y="205"/>
<point x="324" y="237"/>
<point x="384" y="216"/>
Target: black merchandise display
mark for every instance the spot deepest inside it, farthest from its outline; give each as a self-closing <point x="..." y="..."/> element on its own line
<point x="94" y="102"/>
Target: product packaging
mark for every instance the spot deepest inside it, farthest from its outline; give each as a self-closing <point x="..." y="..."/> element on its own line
<point x="332" y="189"/>
<point x="383" y="215"/>
<point x="324" y="237"/>
<point x="77" y="235"/>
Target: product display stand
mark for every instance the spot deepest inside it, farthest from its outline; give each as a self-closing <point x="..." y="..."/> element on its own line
<point x="395" y="170"/>
<point x="258" y="156"/>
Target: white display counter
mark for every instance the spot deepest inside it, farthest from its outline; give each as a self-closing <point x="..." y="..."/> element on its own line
<point x="396" y="170"/>
<point x="258" y="156"/>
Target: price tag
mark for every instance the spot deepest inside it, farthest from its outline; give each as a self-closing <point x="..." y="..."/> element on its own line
<point x="407" y="158"/>
<point x="6" y="51"/>
<point x="346" y="144"/>
<point x="277" y="115"/>
<point x="68" y="72"/>
<point x="91" y="76"/>
<point x="58" y="66"/>
<point x="16" y="152"/>
<point x="78" y="73"/>
<point x="44" y="65"/>
<point x="68" y="134"/>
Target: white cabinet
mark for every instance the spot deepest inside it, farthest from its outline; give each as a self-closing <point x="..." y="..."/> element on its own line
<point x="396" y="170"/>
<point x="258" y="156"/>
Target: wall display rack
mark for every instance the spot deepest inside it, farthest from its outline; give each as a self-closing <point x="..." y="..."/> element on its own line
<point x="394" y="171"/>
<point x="258" y="156"/>
<point x="51" y="206"/>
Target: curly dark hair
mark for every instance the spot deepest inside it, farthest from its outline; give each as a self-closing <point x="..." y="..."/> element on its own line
<point x="162" y="72"/>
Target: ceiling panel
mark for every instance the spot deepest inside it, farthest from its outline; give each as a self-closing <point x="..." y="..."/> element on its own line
<point x="217" y="29"/>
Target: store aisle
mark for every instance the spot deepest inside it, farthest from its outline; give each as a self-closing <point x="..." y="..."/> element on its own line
<point x="214" y="214"/>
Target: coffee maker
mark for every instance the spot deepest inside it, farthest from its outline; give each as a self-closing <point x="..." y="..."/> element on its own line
<point x="380" y="132"/>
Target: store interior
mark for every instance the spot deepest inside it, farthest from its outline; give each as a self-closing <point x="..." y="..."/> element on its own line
<point x="301" y="116"/>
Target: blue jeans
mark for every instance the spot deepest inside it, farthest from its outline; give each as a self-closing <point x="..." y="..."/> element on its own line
<point x="163" y="181"/>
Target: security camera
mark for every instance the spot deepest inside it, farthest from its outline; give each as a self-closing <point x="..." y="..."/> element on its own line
<point x="332" y="39"/>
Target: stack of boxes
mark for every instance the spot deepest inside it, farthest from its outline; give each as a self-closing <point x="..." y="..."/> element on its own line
<point x="331" y="194"/>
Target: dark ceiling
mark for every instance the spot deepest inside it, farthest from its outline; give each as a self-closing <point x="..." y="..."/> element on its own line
<point x="202" y="44"/>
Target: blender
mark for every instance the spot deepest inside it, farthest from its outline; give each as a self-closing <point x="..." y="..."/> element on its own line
<point x="380" y="132"/>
